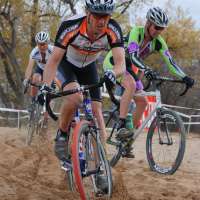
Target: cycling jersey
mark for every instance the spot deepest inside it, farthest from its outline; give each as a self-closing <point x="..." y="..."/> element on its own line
<point x="41" y="58"/>
<point x="80" y="50"/>
<point x="136" y="38"/>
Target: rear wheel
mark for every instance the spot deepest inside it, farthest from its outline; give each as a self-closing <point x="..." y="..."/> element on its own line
<point x="111" y="118"/>
<point x="165" y="144"/>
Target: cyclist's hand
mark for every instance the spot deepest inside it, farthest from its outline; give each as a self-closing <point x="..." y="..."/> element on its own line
<point x="139" y="85"/>
<point x="150" y="74"/>
<point x="43" y="91"/>
<point x="110" y="79"/>
<point x="26" y="82"/>
<point x="188" y="81"/>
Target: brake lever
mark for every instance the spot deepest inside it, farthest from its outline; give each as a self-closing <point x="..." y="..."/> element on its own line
<point x="48" y="108"/>
<point x="185" y="91"/>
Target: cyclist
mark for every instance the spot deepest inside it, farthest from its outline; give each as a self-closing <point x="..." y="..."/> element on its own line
<point x="142" y="42"/>
<point x="38" y="56"/>
<point x="79" y="42"/>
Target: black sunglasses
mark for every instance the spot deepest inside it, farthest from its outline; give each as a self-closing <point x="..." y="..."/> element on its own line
<point x="41" y="44"/>
<point x="158" y="28"/>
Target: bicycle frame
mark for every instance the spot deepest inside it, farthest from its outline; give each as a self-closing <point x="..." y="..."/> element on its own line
<point x="157" y="94"/>
<point x="152" y="112"/>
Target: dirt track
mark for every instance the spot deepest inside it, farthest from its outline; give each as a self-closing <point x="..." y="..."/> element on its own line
<point x="32" y="173"/>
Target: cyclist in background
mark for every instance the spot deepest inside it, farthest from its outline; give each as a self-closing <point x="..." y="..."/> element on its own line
<point x="79" y="42"/>
<point x="38" y="56"/>
<point x="141" y="43"/>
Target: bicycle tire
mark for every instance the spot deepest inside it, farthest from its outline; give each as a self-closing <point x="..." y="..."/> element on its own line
<point x="38" y="120"/>
<point x="31" y="128"/>
<point x="80" y="129"/>
<point x="164" y="118"/>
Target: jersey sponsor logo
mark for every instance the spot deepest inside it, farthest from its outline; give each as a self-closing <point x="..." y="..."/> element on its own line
<point x="115" y="30"/>
<point x="133" y="47"/>
<point x="70" y="29"/>
<point x="83" y="43"/>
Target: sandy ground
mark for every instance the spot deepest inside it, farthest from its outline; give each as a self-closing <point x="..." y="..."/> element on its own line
<point x="33" y="173"/>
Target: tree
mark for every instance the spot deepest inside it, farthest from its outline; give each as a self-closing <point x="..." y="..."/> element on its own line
<point x="19" y="22"/>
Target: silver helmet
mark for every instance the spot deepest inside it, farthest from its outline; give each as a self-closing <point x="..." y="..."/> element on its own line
<point x="104" y="7"/>
<point x="42" y="37"/>
<point x="157" y="16"/>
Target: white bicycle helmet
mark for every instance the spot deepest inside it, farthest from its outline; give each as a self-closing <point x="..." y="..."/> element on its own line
<point x="104" y="7"/>
<point x="42" y="37"/>
<point x="157" y="16"/>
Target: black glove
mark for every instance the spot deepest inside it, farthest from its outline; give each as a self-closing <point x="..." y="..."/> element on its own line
<point x="43" y="91"/>
<point x="110" y="79"/>
<point x="188" y="81"/>
<point x="150" y="74"/>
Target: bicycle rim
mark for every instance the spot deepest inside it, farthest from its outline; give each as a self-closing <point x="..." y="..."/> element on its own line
<point x="165" y="145"/>
<point x="114" y="152"/>
<point x="105" y="167"/>
<point x="70" y="180"/>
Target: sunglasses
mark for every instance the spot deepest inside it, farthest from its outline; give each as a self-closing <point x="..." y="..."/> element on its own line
<point x="158" y="28"/>
<point x="99" y="16"/>
<point x="42" y="44"/>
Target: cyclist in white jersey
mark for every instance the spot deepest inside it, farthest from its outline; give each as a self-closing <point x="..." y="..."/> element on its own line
<point x="38" y="58"/>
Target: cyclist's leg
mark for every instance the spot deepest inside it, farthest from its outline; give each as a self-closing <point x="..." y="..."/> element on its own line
<point x="129" y="89"/>
<point x="141" y="104"/>
<point x="68" y="80"/>
<point x="36" y="79"/>
<point x="128" y="84"/>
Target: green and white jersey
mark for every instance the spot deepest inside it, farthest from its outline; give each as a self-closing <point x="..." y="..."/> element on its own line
<point x="158" y="44"/>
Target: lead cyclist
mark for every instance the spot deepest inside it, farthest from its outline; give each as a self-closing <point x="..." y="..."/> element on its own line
<point x="80" y="40"/>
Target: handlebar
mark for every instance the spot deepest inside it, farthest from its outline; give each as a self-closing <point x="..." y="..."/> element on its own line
<point x="162" y="79"/>
<point x="53" y="95"/>
<point x="32" y="84"/>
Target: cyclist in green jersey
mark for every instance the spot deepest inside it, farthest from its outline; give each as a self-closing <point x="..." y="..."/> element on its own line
<point x="145" y="40"/>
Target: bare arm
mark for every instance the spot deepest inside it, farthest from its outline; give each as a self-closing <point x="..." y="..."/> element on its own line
<point x="119" y="59"/>
<point x="52" y="64"/>
<point x="29" y="68"/>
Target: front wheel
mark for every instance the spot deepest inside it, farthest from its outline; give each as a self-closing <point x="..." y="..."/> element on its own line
<point x="90" y="166"/>
<point x="165" y="144"/>
<point x="31" y="125"/>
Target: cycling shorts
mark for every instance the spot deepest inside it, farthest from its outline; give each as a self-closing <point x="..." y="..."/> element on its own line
<point x="67" y="73"/>
<point x="38" y="70"/>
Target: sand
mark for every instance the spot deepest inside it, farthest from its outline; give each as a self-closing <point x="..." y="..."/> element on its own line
<point x="33" y="173"/>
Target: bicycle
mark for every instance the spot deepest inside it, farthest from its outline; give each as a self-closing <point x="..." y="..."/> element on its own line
<point x="83" y="174"/>
<point x="36" y="119"/>
<point x="167" y="127"/>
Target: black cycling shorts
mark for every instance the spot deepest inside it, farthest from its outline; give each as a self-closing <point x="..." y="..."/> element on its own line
<point x="38" y="70"/>
<point x="67" y="73"/>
